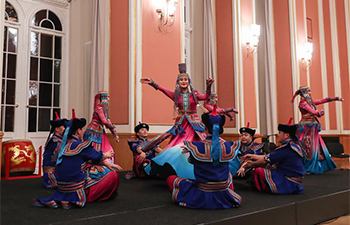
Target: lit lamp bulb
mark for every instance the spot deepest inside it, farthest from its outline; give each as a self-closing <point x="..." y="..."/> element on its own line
<point x="172" y="7"/>
<point x="308" y="50"/>
<point x="255" y="32"/>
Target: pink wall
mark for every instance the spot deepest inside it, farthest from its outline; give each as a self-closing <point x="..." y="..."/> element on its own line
<point x="329" y="59"/>
<point x="224" y="49"/>
<point x="283" y="61"/>
<point x="161" y="53"/>
<point x="343" y="62"/>
<point x="119" y="62"/>
<point x="250" y="110"/>
<point x="315" y="70"/>
<point x="301" y="37"/>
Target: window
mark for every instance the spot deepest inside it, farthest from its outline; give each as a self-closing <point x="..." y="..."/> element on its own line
<point x="8" y="86"/>
<point x="45" y="70"/>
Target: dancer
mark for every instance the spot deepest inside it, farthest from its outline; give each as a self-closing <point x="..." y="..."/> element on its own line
<point x="318" y="159"/>
<point x="285" y="168"/>
<point x="74" y="187"/>
<point x="187" y="126"/>
<point x="248" y="146"/>
<point x="222" y="111"/>
<point x="141" y="158"/>
<point x="213" y="187"/>
<point x="95" y="130"/>
<point x="52" y="147"/>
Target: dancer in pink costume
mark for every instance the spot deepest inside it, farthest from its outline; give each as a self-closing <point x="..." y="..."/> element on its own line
<point x="187" y="126"/>
<point x="209" y="105"/>
<point x="318" y="159"/>
<point x="96" y="129"/>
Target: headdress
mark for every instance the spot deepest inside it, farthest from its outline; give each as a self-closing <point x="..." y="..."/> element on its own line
<point x="214" y="123"/>
<point x="55" y="123"/>
<point x="212" y="97"/>
<point x="288" y="128"/>
<point x="71" y="126"/>
<point x="102" y="97"/>
<point x="303" y="91"/>
<point x="140" y="126"/>
<point x="247" y="130"/>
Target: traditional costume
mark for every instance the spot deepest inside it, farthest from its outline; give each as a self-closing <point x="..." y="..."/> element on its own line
<point x="75" y="187"/>
<point x="187" y="127"/>
<point x="138" y="166"/>
<point x="52" y="146"/>
<point x="212" y="187"/>
<point x="252" y="147"/>
<point x="95" y="131"/>
<point x="209" y="105"/>
<point x="318" y="159"/>
<point x="285" y="170"/>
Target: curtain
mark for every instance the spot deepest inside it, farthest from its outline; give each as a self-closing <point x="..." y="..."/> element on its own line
<point x="99" y="50"/>
<point x="209" y="41"/>
<point x="270" y="76"/>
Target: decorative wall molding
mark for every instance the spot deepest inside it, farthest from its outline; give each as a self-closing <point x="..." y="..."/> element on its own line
<point x="61" y="3"/>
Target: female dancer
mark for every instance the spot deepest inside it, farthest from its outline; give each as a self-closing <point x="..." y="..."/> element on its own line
<point x="209" y="105"/>
<point x="95" y="130"/>
<point x="187" y="127"/>
<point x="318" y="159"/>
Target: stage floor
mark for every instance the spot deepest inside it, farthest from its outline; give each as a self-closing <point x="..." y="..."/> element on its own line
<point x="149" y="202"/>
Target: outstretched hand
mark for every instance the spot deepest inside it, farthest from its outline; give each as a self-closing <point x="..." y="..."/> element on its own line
<point x="341" y="99"/>
<point x="146" y="80"/>
<point x="184" y="149"/>
<point x="209" y="81"/>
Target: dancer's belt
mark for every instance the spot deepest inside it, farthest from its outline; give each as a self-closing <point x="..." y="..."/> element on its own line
<point x="214" y="186"/>
<point x="187" y="112"/>
<point x="49" y="169"/>
<point x="70" y="186"/>
<point x="298" y="180"/>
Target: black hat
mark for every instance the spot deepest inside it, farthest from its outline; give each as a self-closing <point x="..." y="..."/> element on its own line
<point x="288" y="128"/>
<point x="182" y="68"/>
<point x="75" y="123"/>
<point x="210" y="118"/>
<point x="140" y="126"/>
<point x="247" y="130"/>
<point x="57" y="122"/>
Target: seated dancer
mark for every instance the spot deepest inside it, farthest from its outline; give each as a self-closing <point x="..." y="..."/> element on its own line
<point x="285" y="167"/>
<point x="52" y="147"/>
<point x="95" y="131"/>
<point x="187" y="127"/>
<point x="213" y="187"/>
<point x="75" y="188"/>
<point x="141" y="158"/>
<point x="222" y="111"/>
<point x="318" y="159"/>
<point x="248" y="146"/>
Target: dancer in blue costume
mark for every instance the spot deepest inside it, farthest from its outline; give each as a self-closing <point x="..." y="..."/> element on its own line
<point x="213" y="187"/>
<point x="141" y="158"/>
<point x="75" y="187"/>
<point x="248" y="146"/>
<point x="52" y="147"/>
<point x="281" y="171"/>
<point x="187" y="127"/>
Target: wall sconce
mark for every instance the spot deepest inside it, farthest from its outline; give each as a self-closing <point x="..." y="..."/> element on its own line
<point x="166" y="14"/>
<point x="253" y="39"/>
<point x="306" y="54"/>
